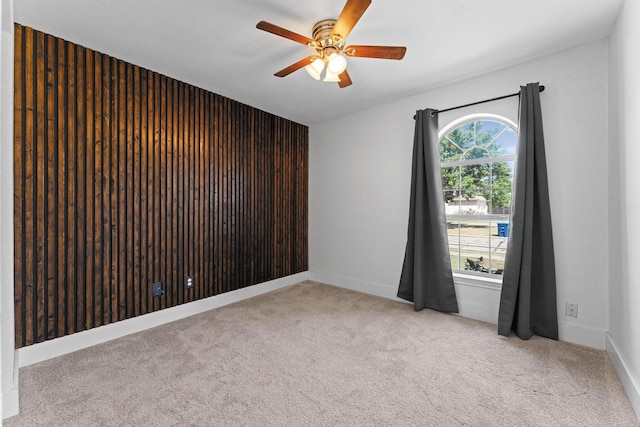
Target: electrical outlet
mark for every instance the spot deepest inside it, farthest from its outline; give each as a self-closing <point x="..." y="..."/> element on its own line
<point x="157" y="289"/>
<point x="189" y="283"/>
<point x="571" y="310"/>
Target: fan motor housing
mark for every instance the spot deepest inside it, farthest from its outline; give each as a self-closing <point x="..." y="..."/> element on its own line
<point x="325" y="45"/>
<point x="322" y="33"/>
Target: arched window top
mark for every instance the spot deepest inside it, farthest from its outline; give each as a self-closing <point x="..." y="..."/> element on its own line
<point x="477" y="136"/>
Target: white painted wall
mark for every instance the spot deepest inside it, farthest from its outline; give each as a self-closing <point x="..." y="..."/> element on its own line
<point x="624" y="204"/>
<point x="8" y="367"/>
<point x="360" y="167"/>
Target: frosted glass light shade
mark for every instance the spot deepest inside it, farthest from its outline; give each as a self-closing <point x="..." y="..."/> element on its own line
<point x="331" y="77"/>
<point x="315" y="68"/>
<point x="337" y="63"/>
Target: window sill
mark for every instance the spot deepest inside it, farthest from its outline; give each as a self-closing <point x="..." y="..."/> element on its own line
<point x="494" y="283"/>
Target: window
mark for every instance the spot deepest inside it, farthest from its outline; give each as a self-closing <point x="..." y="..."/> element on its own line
<point x="477" y="155"/>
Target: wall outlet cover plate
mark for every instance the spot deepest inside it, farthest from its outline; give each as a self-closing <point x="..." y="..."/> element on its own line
<point x="157" y="289"/>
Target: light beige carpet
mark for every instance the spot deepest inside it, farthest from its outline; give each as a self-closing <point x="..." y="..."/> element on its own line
<point x="313" y="354"/>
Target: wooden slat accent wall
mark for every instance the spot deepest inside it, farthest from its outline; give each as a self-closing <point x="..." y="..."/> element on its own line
<point x="125" y="177"/>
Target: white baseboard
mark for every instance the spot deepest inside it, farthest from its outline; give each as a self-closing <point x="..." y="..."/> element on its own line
<point x="356" y="285"/>
<point x="70" y="343"/>
<point x="631" y="385"/>
<point x="471" y="307"/>
<point x="582" y="335"/>
<point x="10" y="405"/>
<point x="475" y="301"/>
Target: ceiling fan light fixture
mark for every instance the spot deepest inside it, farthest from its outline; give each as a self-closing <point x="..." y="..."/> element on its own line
<point x="329" y="63"/>
<point x="337" y="63"/>
<point x="315" y="68"/>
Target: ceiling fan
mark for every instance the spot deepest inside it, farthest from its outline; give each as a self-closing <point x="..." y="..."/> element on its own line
<point x="329" y="36"/>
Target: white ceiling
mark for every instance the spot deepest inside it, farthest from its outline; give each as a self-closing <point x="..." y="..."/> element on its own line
<point x="214" y="44"/>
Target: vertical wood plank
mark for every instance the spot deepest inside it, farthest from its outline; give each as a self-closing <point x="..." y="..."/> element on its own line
<point x="206" y="196"/>
<point x="199" y="195"/>
<point x="51" y="189"/>
<point x="89" y="176"/>
<point x="19" y="148"/>
<point x="82" y="246"/>
<point x="71" y="154"/>
<point x="41" y="199"/>
<point x="217" y="229"/>
<point x="151" y="217"/>
<point x="165" y="216"/>
<point x="129" y="186"/>
<point x="120" y="126"/>
<point x="102" y="81"/>
<point x="147" y="218"/>
<point x="181" y="189"/>
<point x="190" y="156"/>
<point x="30" y="281"/>
<point x="116" y="281"/>
<point x="96" y="182"/>
<point x="174" y="189"/>
<point x="226" y="179"/>
<point x="61" y="184"/>
<point x="134" y="104"/>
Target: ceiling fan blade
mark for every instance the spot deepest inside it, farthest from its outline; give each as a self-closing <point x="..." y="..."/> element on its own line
<point x="283" y="32"/>
<point x="382" y="52"/>
<point x="349" y="16"/>
<point x="294" y="67"/>
<point x="345" y="79"/>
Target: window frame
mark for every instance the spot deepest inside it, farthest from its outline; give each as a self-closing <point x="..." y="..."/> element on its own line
<point x="478" y="278"/>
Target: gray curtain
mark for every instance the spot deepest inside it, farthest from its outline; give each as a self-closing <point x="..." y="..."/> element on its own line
<point x="426" y="278"/>
<point x="528" y="299"/>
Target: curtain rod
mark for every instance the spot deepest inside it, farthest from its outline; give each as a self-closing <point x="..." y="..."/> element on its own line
<point x="482" y="102"/>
